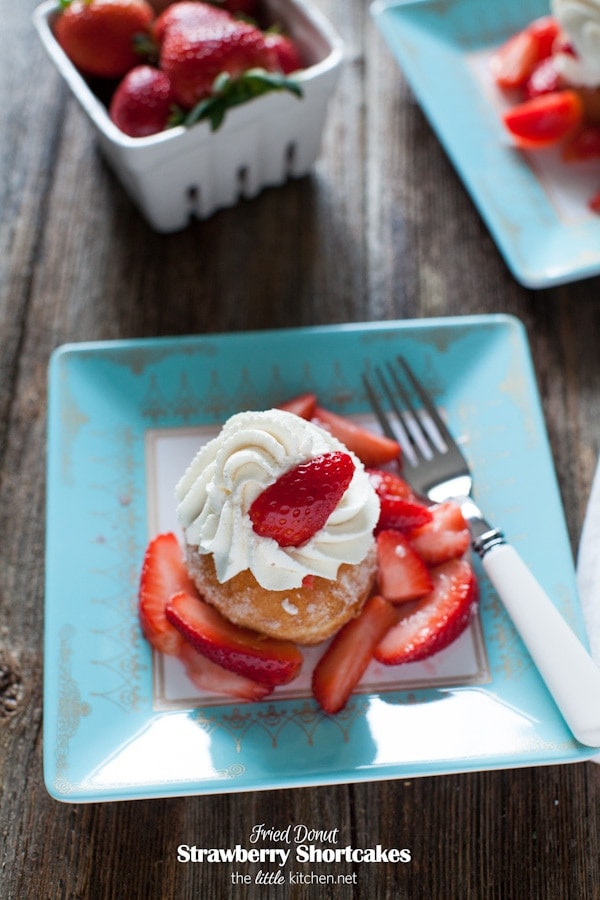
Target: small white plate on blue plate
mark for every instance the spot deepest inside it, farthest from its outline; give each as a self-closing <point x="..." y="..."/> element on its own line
<point x="125" y="418"/>
<point x="534" y="205"/>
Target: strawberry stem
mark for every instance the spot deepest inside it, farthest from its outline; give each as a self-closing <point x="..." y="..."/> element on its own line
<point x="228" y="92"/>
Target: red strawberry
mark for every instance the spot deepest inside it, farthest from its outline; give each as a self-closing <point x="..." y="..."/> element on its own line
<point x="594" y="202"/>
<point x="163" y="574"/>
<point x="240" y="7"/>
<point x="513" y="62"/>
<point x="185" y="15"/>
<point x="98" y="36"/>
<point x="288" y="57"/>
<point x="445" y="537"/>
<point x="208" y="676"/>
<point x="436" y="620"/>
<point x="266" y="660"/>
<point x="192" y="59"/>
<point x="303" y="405"/>
<point x="299" y="503"/>
<point x="544" y="79"/>
<point x="372" y="449"/>
<point x="402" y="575"/>
<point x="142" y="103"/>
<point x="584" y="144"/>
<point x="399" y="508"/>
<point x="344" y="662"/>
<point x="388" y="484"/>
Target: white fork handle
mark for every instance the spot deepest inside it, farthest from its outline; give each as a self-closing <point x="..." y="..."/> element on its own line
<point x="568" y="670"/>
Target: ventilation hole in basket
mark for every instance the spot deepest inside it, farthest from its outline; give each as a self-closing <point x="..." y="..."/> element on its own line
<point x="290" y="159"/>
<point x="242" y="179"/>
<point x="193" y="197"/>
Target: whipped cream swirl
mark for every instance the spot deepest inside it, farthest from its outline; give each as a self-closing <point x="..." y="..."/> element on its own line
<point x="580" y="20"/>
<point x="252" y="451"/>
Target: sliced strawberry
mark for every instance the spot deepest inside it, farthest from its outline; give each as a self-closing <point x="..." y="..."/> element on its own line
<point x="388" y="484"/>
<point x="436" y="620"/>
<point x="399" y="507"/>
<point x="546" y="31"/>
<point x="299" y="503"/>
<point x="163" y="574"/>
<point x="237" y="649"/>
<point x="303" y="405"/>
<point x="344" y="662"/>
<point x="208" y="676"/>
<point x="402" y="574"/>
<point x="371" y="448"/>
<point x="584" y="144"/>
<point x="445" y="537"/>
<point x="403" y="515"/>
<point x="544" y="79"/>
<point x="544" y="120"/>
<point x="513" y="62"/>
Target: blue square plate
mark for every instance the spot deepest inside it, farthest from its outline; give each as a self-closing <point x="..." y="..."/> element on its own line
<point x="106" y="737"/>
<point x="534" y="206"/>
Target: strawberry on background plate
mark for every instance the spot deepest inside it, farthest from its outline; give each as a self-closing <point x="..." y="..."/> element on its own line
<point x="514" y="61"/>
<point x="544" y="120"/>
<point x="99" y="36"/>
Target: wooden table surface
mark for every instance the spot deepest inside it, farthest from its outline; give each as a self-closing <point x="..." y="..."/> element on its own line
<point x="381" y="229"/>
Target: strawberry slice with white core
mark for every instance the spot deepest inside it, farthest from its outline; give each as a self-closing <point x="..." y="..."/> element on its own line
<point x="266" y="660"/>
<point x="298" y="504"/>
<point x="436" y="620"/>
<point x="372" y="449"/>
<point x="402" y="575"/>
<point x="206" y="675"/>
<point x="344" y="662"/>
<point x="163" y="574"/>
<point x="445" y="537"/>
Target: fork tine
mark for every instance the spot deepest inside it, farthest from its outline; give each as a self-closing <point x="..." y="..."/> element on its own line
<point x="378" y="408"/>
<point x="427" y="404"/>
<point x="418" y="441"/>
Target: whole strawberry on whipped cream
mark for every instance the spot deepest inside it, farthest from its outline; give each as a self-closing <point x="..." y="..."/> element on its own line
<point x="253" y="450"/>
<point x="580" y="21"/>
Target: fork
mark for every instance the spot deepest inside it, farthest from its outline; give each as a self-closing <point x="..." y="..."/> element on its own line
<point x="436" y="468"/>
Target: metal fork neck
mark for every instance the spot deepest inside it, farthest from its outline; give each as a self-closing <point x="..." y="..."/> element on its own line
<point x="483" y="535"/>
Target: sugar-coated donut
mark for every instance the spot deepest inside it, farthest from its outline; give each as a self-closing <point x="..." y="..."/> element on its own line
<point x="306" y="615"/>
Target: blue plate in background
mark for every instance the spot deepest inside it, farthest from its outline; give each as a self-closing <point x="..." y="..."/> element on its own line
<point x="534" y="205"/>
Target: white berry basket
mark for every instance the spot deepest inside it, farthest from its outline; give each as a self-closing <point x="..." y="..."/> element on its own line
<point x="186" y="173"/>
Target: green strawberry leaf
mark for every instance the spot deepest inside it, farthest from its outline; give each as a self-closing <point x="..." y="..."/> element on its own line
<point x="228" y="92"/>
